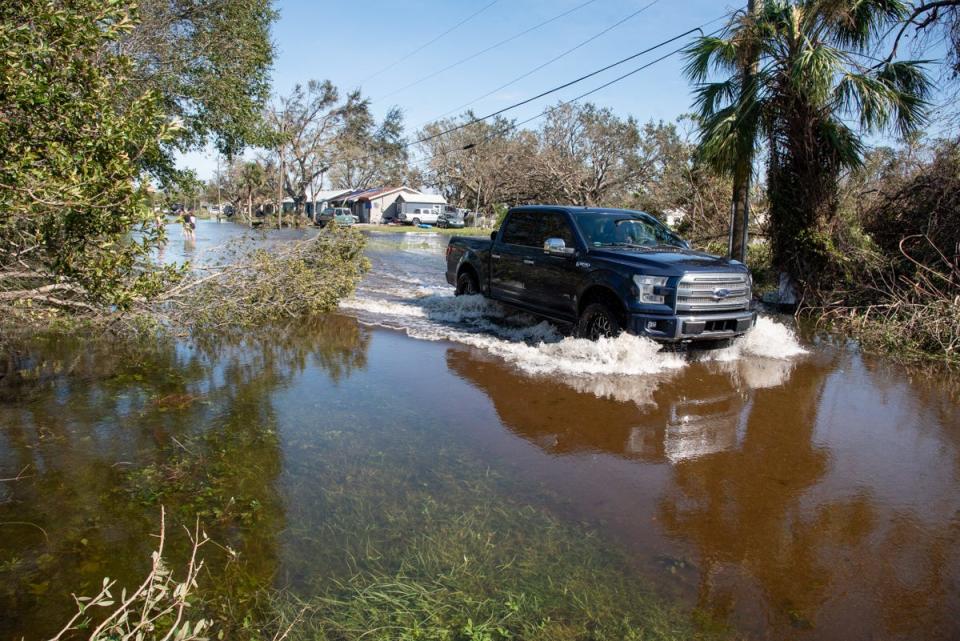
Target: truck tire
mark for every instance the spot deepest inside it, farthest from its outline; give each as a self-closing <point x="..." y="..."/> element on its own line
<point x="467" y="284"/>
<point x="597" y="321"/>
<point x="416" y="222"/>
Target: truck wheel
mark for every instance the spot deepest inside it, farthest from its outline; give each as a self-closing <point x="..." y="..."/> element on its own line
<point x="596" y="321"/>
<point x="416" y="222"/>
<point x="467" y="284"/>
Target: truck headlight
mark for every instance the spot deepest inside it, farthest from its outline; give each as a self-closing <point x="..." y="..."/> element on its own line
<point x="646" y="284"/>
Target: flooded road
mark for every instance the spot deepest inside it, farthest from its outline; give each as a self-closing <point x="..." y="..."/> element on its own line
<point x="791" y="489"/>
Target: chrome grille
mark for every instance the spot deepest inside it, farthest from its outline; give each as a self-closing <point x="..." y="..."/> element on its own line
<point x="704" y="292"/>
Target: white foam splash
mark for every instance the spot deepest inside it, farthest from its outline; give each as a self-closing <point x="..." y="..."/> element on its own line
<point x="768" y="339"/>
<point x="622" y="368"/>
<point x="625" y="355"/>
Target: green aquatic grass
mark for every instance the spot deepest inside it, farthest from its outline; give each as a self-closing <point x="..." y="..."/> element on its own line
<point x="419" y="542"/>
<point x="490" y="574"/>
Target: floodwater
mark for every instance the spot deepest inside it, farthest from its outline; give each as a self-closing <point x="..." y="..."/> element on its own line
<point x="789" y="487"/>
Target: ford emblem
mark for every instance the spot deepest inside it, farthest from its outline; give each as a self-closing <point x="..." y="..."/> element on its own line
<point x="721" y="293"/>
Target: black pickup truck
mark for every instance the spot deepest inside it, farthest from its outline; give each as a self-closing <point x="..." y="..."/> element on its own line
<point x="605" y="271"/>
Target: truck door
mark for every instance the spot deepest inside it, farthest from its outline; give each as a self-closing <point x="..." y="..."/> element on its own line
<point x="555" y="279"/>
<point x="512" y="257"/>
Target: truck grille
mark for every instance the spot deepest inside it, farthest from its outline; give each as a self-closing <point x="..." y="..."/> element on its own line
<point x="713" y="292"/>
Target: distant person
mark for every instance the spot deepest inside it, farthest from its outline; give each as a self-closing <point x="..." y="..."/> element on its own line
<point x="188" y="224"/>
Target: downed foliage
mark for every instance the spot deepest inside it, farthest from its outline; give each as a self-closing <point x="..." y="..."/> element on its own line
<point x="256" y="284"/>
<point x="899" y="287"/>
<point x="290" y="280"/>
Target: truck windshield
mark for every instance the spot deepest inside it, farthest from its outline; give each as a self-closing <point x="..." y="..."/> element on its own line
<point x="624" y="229"/>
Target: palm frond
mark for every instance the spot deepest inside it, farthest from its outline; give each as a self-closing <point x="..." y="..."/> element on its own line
<point x="910" y="89"/>
<point x="713" y="96"/>
<point x="813" y="71"/>
<point x="864" y="94"/>
<point x="710" y="53"/>
<point x="719" y="140"/>
<point x="842" y="142"/>
<point x="854" y="24"/>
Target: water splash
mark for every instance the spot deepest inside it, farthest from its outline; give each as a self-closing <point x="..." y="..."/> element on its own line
<point x="405" y="292"/>
<point x="768" y="339"/>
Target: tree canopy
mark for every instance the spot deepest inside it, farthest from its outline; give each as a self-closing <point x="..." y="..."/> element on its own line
<point x="94" y="99"/>
<point x="815" y="92"/>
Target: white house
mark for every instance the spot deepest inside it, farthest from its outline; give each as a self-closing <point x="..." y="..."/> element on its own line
<point x="411" y="202"/>
<point x="381" y="204"/>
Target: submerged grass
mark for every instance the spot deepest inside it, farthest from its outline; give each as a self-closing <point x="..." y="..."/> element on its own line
<point x="419" y="542"/>
<point x="489" y="574"/>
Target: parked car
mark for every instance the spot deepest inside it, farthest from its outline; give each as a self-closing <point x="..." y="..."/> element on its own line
<point x="605" y="271"/>
<point x="451" y="219"/>
<point x="419" y="216"/>
<point x="340" y="215"/>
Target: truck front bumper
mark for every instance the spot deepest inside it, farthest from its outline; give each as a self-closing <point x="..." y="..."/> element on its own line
<point x="702" y="327"/>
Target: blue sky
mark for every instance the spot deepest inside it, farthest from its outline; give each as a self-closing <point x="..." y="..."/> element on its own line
<point x="348" y="41"/>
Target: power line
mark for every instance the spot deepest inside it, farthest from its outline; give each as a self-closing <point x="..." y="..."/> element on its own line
<point x="554" y="59"/>
<point x="427" y="44"/>
<point x="483" y="51"/>
<point x="564" y="86"/>
<point x="555" y="89"/>
<point x="564" y="103"/>
<point x="549" y="110"/>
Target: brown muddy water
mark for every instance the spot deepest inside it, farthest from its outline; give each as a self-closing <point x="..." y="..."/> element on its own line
<point x="792" y="490"/>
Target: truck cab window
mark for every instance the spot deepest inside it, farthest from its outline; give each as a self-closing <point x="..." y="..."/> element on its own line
<point x="554" y="225"/>
<point x="530" y="229"/>
<point x="520" y="229"/>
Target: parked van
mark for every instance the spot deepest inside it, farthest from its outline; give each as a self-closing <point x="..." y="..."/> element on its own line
<point x="419" y="216"/>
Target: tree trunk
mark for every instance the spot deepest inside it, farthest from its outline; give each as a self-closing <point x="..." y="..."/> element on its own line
<point x="739" y="212"/>
<point x="740" y="208"/>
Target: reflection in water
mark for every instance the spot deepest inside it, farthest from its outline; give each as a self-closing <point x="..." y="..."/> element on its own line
<point x="109" y="432"/>
<point x="817" y="499"/>
<point x="741" y="505"/>
<point x="672" y="416"/>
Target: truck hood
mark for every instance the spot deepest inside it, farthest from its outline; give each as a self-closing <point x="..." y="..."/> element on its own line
<point x="673" y="260"/>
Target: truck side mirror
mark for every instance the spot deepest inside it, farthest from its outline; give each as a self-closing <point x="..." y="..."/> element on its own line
<point x="493" y="235"/>
<point x="557" y="246"/>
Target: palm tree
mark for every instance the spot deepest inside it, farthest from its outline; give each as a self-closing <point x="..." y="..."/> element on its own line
<point x="814" y="93"/>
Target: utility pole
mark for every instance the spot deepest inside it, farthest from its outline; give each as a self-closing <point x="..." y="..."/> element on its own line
<point x="743" y="172"/>
<point x="282" y="171"/>
<point x="219" y="196"/>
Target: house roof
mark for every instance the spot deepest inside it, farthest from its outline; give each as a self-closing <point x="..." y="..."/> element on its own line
<point x="426" y="198"/>
<point x="376" y="192"/>
<point x="330" y="194"/>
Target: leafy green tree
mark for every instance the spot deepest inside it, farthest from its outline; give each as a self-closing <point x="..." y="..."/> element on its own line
<point x="209" y="63"/>
<point x="814" y="94"/>
<point x="246" y="185"/>
<point x="71" y="154"/>
<point x="95" y="99"/>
